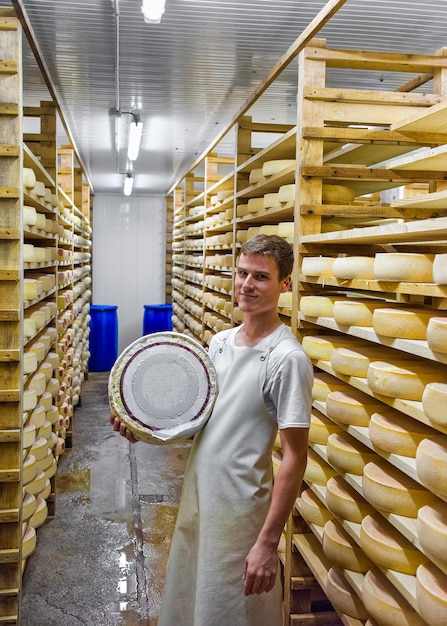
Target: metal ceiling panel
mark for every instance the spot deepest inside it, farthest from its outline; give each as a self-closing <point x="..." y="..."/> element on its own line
<point x="189" y="75"/>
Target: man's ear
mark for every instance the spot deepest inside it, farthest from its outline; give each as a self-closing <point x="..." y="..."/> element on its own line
<point x="286" y="283"/>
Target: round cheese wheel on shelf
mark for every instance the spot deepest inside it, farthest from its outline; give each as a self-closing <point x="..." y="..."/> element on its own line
<point x="342" y="596"/>
<point x="431" y="465"/>
<point x="432" y="532"/>
<point x="317" y="470"/>
<point x="349" y="312"/>
<point x="434" y="401"/>
<point x="38" y="383"/>
<point x="321" y="427"/>
<point x="392" y="431"/>
<point x="52" y="414"/>
<point x="317" y="306"/>
<point x="355" y="361"/>
<point x="353" y="267"/>
<point x="342" y="550"/>
<point x="317" y="266"/>
<point x="325" y="383"/>
<point x="345" y="501"/>
<point x="28" y="506"/>
<point x="270" y="168"/>
<point x="255" y="204"/>
<point x="388" y="489"/>
<point x="403" y="267"/>
<point x="351" y="407"/>
<point x="431" y="594"/>
<point x="410" y="323"/>
<point x="30" y="289"/>
<point x="440" y="269"/>
<point x="255" y="175"/>
<point x="387" y="547"/>
<point x="28" y="253"/>
<point x="36" y="486"/>
<point x="28" y="436"/>
<point x="40" y="514"/>
<point x="321" y="347"/>
<point x="29" y="399"/>
<point x="312" y="509"/>
<point x="401" y="379"/>
<point x="39" y="449"/>
<point x="437" y="334"/>
<point x="37" y="416"/>
<point x="337" y="194"/>
<point x="39" y="349"/>
<point x="29" y="362"/>
<point x="385" y="604"/>
<point x="28" y="177"/>
<point x="347" y="454"/>
<point x="28" y="542"/>
<point x="286" y="193"/>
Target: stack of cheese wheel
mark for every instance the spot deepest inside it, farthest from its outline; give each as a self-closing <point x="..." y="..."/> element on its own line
<point x="437" y="334"/>
<point x="395" y="432"/>
<point x="342" y="596"/>
<point x="312" y="509"/>
<point x="351" y="407"/>
<point x="387" y="547"/>
<point x="404" y="323"/>
<point x="350" y="312"/>
<point x="432" y="532"/>
<point x="347" y="454"/>
<point x="431" y="464"/>
<point x="431" y="594"/>
<point x="317" y="266"/>
<point x="318" y="306"/>
<point x="317" y="470"/>
<point x="385" y="604"/>
<point x="390" y="490"/>
<point x="434" y="401"/>
<point x="324" y="384"/>
<point x="321" y="427"/>
<point x="345" y="501"/>
<point x="402" y="379"/>
<point x="353" y="268"/>
<point x="403" y="267"/>
<point x="342" y="550"/>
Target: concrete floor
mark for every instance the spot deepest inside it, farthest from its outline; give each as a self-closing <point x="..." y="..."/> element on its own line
<point x="100" y="561"/>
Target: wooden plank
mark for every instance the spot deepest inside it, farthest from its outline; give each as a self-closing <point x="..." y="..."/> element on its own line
<point x="424" y="160"/>
<point x="9" y="233"/>
<point x="433" y="119"/>
<point x="370" y="210"/>
<point x="375" y="98"/>
<point x="364" y="113"/>
<point x="8" y="436"/>
<point x="435" y="200"/>
<point x="9" y="150"/>
<point x="8" y="67"/>
<point x="9" y="356"/>
<point x="373" y="136"/>
<point x="10" y="274"/>
<point x="9" y="108"/>
<point x="10" y="192"/>
<point x="10" y="475"/>
<point x="8" y="23"/>
<point x="10" y="555"/>
<point x="9" y="395"/>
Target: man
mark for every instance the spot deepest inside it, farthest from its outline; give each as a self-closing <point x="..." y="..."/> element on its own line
<point x="223" y="565"/>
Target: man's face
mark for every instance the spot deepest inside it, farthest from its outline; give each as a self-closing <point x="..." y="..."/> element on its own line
<point x="257" y="283"/>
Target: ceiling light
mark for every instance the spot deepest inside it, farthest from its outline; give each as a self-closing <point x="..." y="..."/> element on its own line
<point x="128" y="184"/>
<point x="153" y="10"/>
<point x="135" y="132"/>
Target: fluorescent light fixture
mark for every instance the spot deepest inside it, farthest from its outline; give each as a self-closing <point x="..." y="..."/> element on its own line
<point x="128" y="184"/>
<point x="135" y="132"/>
<point x="153" y="10"/>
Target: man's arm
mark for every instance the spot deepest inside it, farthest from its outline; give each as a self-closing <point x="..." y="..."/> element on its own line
<point x="261" y="563"/>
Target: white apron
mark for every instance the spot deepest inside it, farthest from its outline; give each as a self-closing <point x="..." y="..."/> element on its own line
<point x="226" y="496"/>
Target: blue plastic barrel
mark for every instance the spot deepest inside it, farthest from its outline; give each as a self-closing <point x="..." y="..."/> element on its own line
<point x="157" y="318"/>
<point x="103" y="338"/>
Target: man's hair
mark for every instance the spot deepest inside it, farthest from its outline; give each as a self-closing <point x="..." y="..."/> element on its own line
<point x="274" y="246"/>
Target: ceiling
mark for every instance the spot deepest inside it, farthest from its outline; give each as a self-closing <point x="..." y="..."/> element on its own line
<point x="188" y="76"/>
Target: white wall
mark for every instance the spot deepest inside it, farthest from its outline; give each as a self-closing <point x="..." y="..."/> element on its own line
<point x="128" y="260"/>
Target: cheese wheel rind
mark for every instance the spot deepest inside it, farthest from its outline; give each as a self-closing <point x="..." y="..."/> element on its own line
<point x="431" y="594"/>
<point x="431" y="465"/>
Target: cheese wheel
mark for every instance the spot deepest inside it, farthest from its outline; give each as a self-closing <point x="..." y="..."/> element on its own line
<point x="321" y="347"/>
<point x="286" y="193"/>
<point x="270" y="168"/>
<point x="38" y="383"/>
<point x="431" y="464"/>
<point x="317" y="470"/>
<point x="432" y="532"/>
<point x="341" y="549"/>
<point x="345" y="501"/>
<point x="29" y="327"/>
<point x="323" y="384"/>
<point x="321" y="427"/>
<point x="355" y="312"/>
<point x="431" y="594"/>
<point x="29" y="399"/>
<point x="434" y="401"/>
<point x="29" y="362"/>
<point x="440" y="269"/>
<point x="403" y="267"/>
<point x="52" y="414"/>
<point x="318" y="306"/>
<point x="40" y="221"/>
<point x="392" y="431"/>
<point x="29" y="504"/>
<point x="255" y="175"/>
<point x="404" y="380"/>
<point x="353" y="267"/>
<point x="387" y="547"/>
<point x="37" y="485"/>
<point x="28" y="253"/>
<point x="29" y="435"/>
<point x="37" y="416"/>
<point x="242" y="210"/>
<point x="437" y="334"/>
<point x="40" y="514"/>
<point x="388" y="489"/>
<point x="39" y="449"/>
<point x="347" y="454"/>
<point x="255" y="205"/>
<point x="29" y="177"/>
<point x="270" y="200"/>
<point x="385" y="604"/>
<point x="29" y="469"/>
<point x="337" y="194"/>
<point x="355" y="362"/>
<point x="29" y="541"/>
<point x="351" y="407"/>
<point x="39" y="350"/>
<point x="402" y="323"/>
<point x="312" y="509"/>
<point x="29" y="216"/>
<point x="285" y="300"/>
<point x="317" y="266"/>
<point x="342" y="596"/>
<point x="286" y="230"/>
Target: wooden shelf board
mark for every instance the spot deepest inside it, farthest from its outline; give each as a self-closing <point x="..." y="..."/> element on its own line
<point x="276" y="214"/>
<point x="367" y="155"/>
<point x="433" y="119"/>
<point x="421" y="289"/>
<point x="435" y="200"/>
<point x="270" y="184"/>
<point x="431" y="159"/>
<point x="282" y="148"/>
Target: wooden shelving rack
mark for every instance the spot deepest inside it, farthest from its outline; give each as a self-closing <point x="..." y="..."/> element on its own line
<point x="374" y="142"/>
<point x="43" y="338"/>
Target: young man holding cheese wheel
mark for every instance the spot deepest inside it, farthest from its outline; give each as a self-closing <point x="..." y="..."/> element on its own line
<point x="223" y="565"/>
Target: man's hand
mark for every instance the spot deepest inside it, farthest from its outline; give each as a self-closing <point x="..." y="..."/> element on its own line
<point x="121" y="428"/>
<point x="261" y="566"/>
